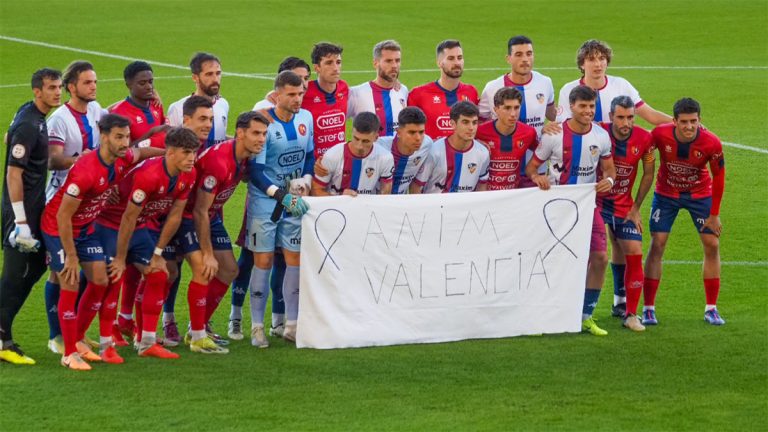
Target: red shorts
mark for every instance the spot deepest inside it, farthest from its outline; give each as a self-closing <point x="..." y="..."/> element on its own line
<point x="598" y="241"/>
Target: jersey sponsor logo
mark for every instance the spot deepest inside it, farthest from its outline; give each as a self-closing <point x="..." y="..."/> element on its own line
<point x="291" y="158"/>
<point x="444" y="123"/>
<point x="369" y="172"/>
<point x="472" y="167"/>
<point x="73" y="190"/>
<point x="681" y="169"/>
<point x="94" y="250"/>
<point x="18" y="151"/>
<point x="502" y="165"/>
<point x="331" y="120"/>
<point x="209" y="182"/>
<point x="623" y="170"/>
<point x="139" y="196"/>
<point x="302" y="129"/>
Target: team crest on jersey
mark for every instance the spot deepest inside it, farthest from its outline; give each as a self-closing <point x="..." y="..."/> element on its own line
<point x="101" y="181"/>
<point x="316" y="99"/>
<point x="155" y="113"/>
<point x="402" y="102"/>
<point x="464" y="98"/>
<point x="369" y="172"/>
<point x="162" y="189"/>
<point x="635" y="151"/>
<point x="416" y="160"/>
<point x="698" y="154"/>
<point x="303" y="129"/>
<point x="139" y="196"/>
<point x="181" y="186"/>
<point x="472" y="167"/>
<point x="436" y="99"/>
<point x="209" y="182"/>
<point x="520" y="144"/>
<point x="593" y="149"/>
<point x="18" y="151"/>
<point x="540" y="97"/>
<point x="339" y="95"/>
<point x="73" y="190"/>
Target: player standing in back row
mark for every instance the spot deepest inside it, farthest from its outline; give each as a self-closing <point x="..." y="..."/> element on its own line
<point x="683" y="182"/>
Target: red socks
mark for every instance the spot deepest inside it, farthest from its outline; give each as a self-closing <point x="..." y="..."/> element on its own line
<point x="633" y="282"/>
<point x="650" y="286"/>
<point x="90" y="304"/>
<point x="712" y="290"/>
<point x="152" y="303"/>
<point x="68" y="320"/>
<point x="216" y="291"/>
<point x="108" y="311"/>
<point x="196" y="296"/>
<point x="132" y="277"/>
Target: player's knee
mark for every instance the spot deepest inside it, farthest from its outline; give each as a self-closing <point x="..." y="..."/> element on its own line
<point x="100" y="279"/>
<point x="598" y="260"/>
<point x="263" y="260"/>
<point x="711" y="245"/>
<point x="227" y="272"/>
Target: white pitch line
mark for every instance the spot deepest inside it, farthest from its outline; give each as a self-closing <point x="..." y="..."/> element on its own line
<point x="745" y="147"/>
<point x="120" y="57"/>
<point x="725" y="263"/>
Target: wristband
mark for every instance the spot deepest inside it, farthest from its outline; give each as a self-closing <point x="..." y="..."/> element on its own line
<point x="610" y="179"/>
<point x="158" y="251"/>
<point x="18" y="211"/>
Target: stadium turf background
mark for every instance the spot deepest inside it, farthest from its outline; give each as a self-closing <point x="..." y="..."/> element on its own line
<point x="680" y="375"/>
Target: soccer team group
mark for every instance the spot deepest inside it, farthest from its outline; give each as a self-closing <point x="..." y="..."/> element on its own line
<point x="134" y="192"/>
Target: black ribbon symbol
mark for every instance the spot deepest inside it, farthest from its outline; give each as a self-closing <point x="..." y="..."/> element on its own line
<point x="559" y="240"/>
<point x="338" y="236"/>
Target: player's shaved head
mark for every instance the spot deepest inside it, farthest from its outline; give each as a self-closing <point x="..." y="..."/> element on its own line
<point x="324" y="49"/>
<point x="581" y="93"/>
<point x="447" y="44"/>
<point x="464" y="108"/>
<point x="411" y="115"/>
<point x="111" y="121"/>
<point x="73" y="71"/>
<point x="622" y="101"/>
<point x="199" y="59"/>
<point x="244" y="120"/>
<point x="505" y="94"/>
<point x="389" y="44"/>
<point x="288" y="78"/>
<point x="193" y="103"/>
<point x="593" y="48"/>
<point x="518" y="40"/>
<point x="134" y="68"/>
<point x="366" y="122"/>
<point x="44" y="74"/>
<point x="686" y="106"/>
<point x="180" y="137"/>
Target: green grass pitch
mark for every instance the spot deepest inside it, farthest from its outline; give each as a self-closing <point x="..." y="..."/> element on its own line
<point x="681" y="375"/>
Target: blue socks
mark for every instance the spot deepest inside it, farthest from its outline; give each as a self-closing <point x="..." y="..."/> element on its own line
<point x="590" y="301"/>
<point x="276" y="285"/>
<point x="52" y="309"/>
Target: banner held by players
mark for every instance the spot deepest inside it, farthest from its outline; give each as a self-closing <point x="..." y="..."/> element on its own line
<point x="388" y="270"/>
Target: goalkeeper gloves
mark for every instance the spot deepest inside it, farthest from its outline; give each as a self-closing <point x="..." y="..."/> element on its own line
<point x="22" y="239"/>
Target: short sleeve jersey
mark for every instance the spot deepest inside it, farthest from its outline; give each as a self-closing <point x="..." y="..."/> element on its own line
<point x="152" y="188"/>
<point x="449" y="170"/>
<point x="385" y="103"/>
<point x="507" y="153"/>
<point x="329" y="111"/>
<point x="89" y="181"/>
<point x="436" y="102"/>
<point x="406" y="166"/>
<point x="361" y="174"/>
<point x="218" y="172"/>
<point x="683" y="167"/>
<point x="218" y="133"/>
<point x="573" y="157"/>
<point x="626" y="156"/>
<point x="75" y="132"/>
<point x="614" y="86"/>
<point x="142" y="118"/>
<point x="538" y="94"/>
<point x="284" y="154"/>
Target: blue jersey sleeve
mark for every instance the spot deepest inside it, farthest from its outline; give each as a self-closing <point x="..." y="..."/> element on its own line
<point x="256" y="174"/>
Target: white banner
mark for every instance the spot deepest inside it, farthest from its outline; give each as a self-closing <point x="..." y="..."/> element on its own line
<point x="401" y="269"/>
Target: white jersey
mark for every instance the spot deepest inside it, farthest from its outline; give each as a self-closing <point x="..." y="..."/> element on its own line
<point x="385" y="103"/>
<point x="614" y="86"/>
<point x="406" y="167"/>
<point x="218" y="134"/>
<point x="538" y="94"/>
<point x="75" y="132"/>
<point x="347" y="171"/>
<point x="263" y="104"/>
<point x="568" y="146"/>
<point x="449" y="170"/>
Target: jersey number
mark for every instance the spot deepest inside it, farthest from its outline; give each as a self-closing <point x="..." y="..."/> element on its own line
<point x="61" y="254"/>
<point x="191" y="238"/>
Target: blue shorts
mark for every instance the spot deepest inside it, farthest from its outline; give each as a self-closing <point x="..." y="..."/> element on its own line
<point x="263" y="235"/>
<point x="621" y="228"/>
<point x="664" y="211"/>
<point x="87" y="245"/>
<point x="169" y="252"/>
<point x="187" y="241"/>
<point x="140" y="248"/>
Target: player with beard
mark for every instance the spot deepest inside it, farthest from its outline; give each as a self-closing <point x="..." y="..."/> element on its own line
<point x="437" y="98"/>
